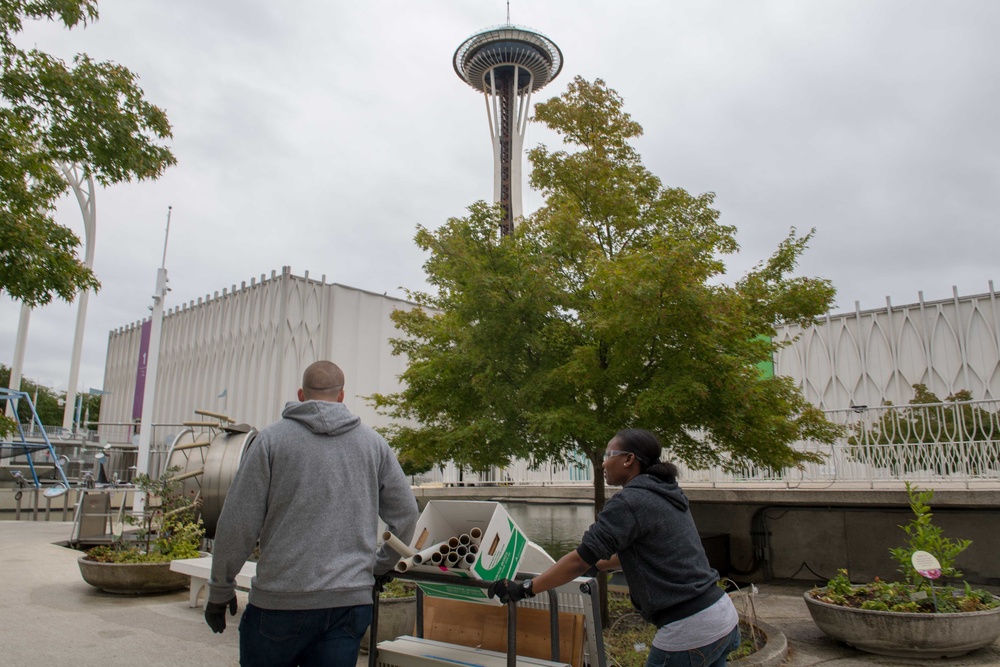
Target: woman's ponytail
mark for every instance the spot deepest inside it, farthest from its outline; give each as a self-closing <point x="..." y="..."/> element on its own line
<point x="646" y="448"/>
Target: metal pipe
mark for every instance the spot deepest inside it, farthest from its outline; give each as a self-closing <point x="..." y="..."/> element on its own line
<point x="373" y="630"/>
<point x="511" y="634"/>
<point x="192" y="445"/>
<point x="187" y="475"/>
<point x="215" y="415"/>
<point x="554" y="623"/>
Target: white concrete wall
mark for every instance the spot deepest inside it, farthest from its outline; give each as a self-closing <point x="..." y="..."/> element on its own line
<point x="253" y="343"/>
<point x="869" y="357"/>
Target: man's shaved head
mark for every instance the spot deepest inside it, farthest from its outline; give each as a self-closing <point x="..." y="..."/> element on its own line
<point x="322" y="381"/>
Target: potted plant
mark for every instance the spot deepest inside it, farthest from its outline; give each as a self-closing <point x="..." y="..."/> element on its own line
<point x="169" y="528"/>
<point x="914" y="617"/>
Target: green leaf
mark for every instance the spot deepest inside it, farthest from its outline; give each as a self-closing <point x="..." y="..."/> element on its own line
<point x="87" y="113"/>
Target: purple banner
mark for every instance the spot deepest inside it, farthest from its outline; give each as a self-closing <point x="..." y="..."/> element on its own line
<point x="140" y="371"/>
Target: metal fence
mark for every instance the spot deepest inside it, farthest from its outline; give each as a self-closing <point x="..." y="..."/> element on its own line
<point x="104" y="451"/>
<point x="935" y="444"/>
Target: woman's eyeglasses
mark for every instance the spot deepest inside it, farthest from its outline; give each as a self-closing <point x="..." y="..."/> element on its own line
<point x="608" y="453"/>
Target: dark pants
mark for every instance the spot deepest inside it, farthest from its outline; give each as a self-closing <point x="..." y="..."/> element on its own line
<point x="306" y="637"/>
<point x="712" y="655"/>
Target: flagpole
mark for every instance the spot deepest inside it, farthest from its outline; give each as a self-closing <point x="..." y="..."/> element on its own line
<point x="149" y="392"/>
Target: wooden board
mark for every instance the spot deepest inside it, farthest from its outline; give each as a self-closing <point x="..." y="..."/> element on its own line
<point x="485" y="626"/>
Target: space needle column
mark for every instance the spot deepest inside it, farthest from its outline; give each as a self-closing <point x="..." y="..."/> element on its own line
<point x="507" y="64"/>
<point x="88" y="207"/>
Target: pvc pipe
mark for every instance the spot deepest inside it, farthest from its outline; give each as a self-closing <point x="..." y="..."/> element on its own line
<point x="466" y="563"/>
<point x="464" y="539"/>
<point x="462" y="550"/>
<point x="452" y="559"/>
<point x="404" y="564"/>
<point x="453" y="542"/>
<point x="476" y="534"/>
<point x="397" y="545"/>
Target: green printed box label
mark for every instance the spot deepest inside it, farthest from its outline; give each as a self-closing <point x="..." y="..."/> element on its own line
<point x="491" y="565"/>
<point x="453" y="592"/>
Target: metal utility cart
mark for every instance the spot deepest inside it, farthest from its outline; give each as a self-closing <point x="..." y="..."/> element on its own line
<point x="420" y="652"/>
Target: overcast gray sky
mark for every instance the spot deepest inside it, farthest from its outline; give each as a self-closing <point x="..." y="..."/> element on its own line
<point x="319" y="133"/>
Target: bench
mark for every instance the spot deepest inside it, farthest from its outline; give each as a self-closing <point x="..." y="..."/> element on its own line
<point x="200" y="569"/>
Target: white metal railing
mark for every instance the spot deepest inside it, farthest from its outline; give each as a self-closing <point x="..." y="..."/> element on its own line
<point x="934" y="444"/>
<point x="937" y="444"/>
<point x="112" y="454"/>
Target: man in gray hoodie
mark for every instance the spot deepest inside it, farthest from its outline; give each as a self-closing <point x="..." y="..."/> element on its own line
<point x="311" y="488"/>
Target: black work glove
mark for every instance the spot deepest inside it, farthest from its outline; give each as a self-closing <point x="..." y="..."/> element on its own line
<point x="381" y="580"/>
<point x="508" y="590"/>
<point x="215" y="613"/>
<point x="592" y="572"/>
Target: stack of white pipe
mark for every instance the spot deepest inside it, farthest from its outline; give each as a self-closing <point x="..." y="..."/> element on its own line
<point x="458" y="552"/>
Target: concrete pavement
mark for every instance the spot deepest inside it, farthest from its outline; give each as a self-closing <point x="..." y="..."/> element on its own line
<point x="50" y="616"/>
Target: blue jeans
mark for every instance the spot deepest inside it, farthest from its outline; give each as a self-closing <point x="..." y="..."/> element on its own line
<point x="304" y="637"/>
<point x="712" y="655"/>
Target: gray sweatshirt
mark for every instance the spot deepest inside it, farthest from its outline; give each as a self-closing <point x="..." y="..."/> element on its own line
<point x="311" y="488"/>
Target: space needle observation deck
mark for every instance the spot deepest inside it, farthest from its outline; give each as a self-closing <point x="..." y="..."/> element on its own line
<point x="507" y="63"/>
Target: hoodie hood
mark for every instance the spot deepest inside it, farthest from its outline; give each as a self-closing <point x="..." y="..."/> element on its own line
<point x="322" y="417"/>
<point x="668" y="490"/>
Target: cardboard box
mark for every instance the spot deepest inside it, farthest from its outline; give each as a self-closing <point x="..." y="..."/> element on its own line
<point x="504" y="549"/>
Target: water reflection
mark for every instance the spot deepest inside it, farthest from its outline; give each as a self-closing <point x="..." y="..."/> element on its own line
<point x="557" y="528"/>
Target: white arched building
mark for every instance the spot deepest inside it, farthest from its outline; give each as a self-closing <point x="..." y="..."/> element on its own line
<point x="242" y="352"/>
<point x="870" y="357"/>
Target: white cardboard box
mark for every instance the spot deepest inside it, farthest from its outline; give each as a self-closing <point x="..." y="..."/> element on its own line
<point x="504" y="549"/>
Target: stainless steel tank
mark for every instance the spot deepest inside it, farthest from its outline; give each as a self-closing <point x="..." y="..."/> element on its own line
<point x="208" y="463"/>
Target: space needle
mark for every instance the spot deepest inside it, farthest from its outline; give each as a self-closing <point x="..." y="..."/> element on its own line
<point x="507" y="63"/>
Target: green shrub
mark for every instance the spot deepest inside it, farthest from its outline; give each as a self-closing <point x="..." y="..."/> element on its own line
<point x="925" y="536"/>
<point x="169" y="526"/>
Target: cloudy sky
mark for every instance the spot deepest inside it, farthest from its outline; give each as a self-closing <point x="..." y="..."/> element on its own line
<point x="318" y="134"/>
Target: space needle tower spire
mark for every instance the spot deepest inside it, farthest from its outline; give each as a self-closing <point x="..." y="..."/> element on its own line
<point x="507" y="63"/>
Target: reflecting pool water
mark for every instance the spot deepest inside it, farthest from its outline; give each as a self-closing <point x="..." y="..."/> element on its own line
<point x="557" y="528"/>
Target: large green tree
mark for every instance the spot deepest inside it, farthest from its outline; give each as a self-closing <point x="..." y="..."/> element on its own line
<point x="603" y="310"/>
<point x="88" y="113"/>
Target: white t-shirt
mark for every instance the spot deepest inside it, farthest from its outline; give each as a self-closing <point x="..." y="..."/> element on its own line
<point x="700" y="629"/>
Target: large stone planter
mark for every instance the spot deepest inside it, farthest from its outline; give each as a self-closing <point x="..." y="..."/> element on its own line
<point x="132" y="578"/>
<point x="906" y="635"/>
<point x="772" y="654"/>
<point x="396" y="617"/>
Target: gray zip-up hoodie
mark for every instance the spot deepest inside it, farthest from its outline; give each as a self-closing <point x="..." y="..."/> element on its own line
<point x="649" y="526"/>
<point x="311" y="488"/>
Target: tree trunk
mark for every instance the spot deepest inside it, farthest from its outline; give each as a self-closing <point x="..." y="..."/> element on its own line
<point x="596" y="459"/>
